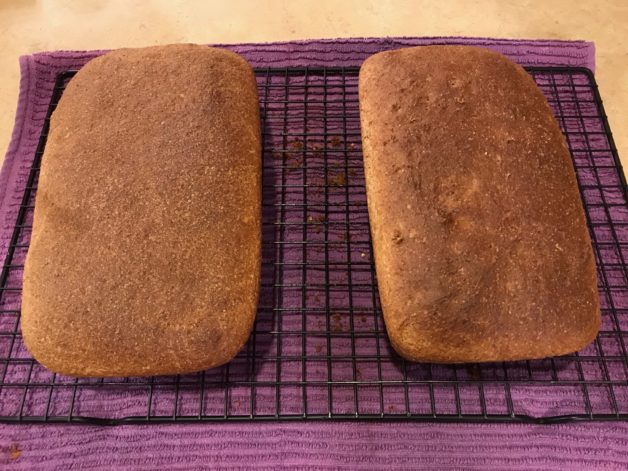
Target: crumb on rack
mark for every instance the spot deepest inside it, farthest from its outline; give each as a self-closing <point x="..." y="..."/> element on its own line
<point x="14" y="451"/>
<point x="294" y="164"/>
<point x="337" y="322"/>
<point x="296" y="145"/>
<point x="318" y="222"/>
<point x="338" y="180"/>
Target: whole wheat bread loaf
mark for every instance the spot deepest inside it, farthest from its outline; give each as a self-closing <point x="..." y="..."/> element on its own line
<point x="481" y="247"/>
<point x="145" y="251"/>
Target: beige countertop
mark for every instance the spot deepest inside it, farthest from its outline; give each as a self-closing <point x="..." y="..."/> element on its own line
<point x="28" y="26"/>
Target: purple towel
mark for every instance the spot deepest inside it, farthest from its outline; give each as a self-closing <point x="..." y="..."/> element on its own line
<point x="245" y="445"/>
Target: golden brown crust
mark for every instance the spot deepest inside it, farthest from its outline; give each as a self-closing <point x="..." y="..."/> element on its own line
<point x="145" y="253"/>
<point x="481" y="246"/>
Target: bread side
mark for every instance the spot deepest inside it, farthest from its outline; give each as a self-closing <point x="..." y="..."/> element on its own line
<point x="481" y="246"/>
<point x="145" y="252"/>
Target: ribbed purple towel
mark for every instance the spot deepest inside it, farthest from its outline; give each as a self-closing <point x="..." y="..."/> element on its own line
<point x="294" y="445"/>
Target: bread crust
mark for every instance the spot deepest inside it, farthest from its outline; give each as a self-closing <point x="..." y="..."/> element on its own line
<point x="146" y="245"/>
<point x="480" y="239"/>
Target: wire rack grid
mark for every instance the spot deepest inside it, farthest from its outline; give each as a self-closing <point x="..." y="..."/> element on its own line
<point x="319" y="349"/>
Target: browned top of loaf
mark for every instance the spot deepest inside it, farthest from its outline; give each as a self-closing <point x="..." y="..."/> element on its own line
<point x="481" y="247"/>
<point x="145" y="253"/>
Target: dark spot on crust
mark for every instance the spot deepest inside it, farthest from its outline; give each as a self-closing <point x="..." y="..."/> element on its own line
<point x="397" y="238"/>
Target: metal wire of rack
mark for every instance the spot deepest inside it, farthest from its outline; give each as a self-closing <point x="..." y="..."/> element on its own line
<point x="319" y="348"/>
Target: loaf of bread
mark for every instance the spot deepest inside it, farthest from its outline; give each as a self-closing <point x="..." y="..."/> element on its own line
<point x="480" y="241"/>
<point x="145" y="251"/>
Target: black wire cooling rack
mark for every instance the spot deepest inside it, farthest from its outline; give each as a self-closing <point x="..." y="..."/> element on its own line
<point x="319" y="348"/>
